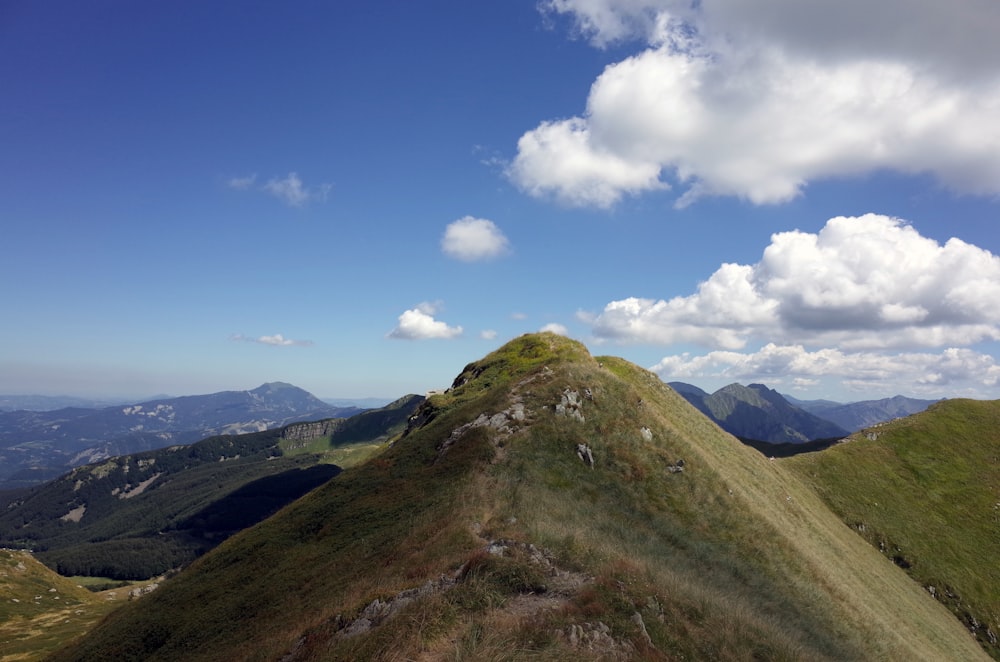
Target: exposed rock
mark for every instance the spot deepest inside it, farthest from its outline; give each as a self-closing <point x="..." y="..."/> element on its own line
<point x="75" y="514"/>
<point x="596" y="638"/>
<point x="585" y="454"/>
<point x="637" y="619"/>
<point x="504" y="423"/>
<point x="378" y="611"/>
<point x="646" y="433"/>
<point x="307" y="431"/>
<point x="559" y="581"/>
<point x="677" y="467"/>
<point x="570" y="405"/>
<point x="140" y="591"/>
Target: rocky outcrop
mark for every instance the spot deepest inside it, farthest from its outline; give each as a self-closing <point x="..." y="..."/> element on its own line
<point x="140" y="591"/>
<point x="307" y="431"/>
<point x="571" y="405"/>
<point x="504" y="423"/>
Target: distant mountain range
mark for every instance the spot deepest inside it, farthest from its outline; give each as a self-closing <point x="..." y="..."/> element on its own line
<point x="856" y="416"/>
<point x="36" y="446"/>
<point x="52" y="402"/>
<point x="758" y="413"/>
<point x="139" y="515"/>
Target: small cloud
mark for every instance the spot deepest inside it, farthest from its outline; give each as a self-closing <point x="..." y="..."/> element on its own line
<point x="277" y="340"/>
<point x="294" y="193"/>
<point x="519" y="316"/>
<point x="471" y="239"/>
<point x="488" y="334"/>
<point x="242" y="183"/>
<point x="419" y="324"/>
<point x="290" y="189"/>
<point x="555" y="328"/>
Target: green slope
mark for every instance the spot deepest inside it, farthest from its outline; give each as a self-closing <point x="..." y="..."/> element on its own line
<point x="489" y="532"/>
<point x="925" y="490"/>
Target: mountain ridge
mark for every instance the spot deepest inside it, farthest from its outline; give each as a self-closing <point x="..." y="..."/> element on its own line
<point x="759" y="413"/>
<point x="854" y="416"/>
<point x="550" y="504"/>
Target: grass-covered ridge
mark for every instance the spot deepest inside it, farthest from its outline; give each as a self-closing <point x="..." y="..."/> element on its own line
<point x="483" y="534"/>
<point x="925" y="490"/>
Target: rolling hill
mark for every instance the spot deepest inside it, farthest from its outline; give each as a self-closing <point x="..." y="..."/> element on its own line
<point x="41" y="610"/>
<point x="549" y="506"/>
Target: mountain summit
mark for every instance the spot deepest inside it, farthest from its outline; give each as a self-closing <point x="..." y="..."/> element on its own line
<point x="759" y="413"/>
<point x="550" y="505"/>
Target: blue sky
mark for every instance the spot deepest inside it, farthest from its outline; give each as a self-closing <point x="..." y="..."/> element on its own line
<point x="361" y="198"/>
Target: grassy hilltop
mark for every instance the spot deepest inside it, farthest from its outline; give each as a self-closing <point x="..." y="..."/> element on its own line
<point x="550" y="506"/>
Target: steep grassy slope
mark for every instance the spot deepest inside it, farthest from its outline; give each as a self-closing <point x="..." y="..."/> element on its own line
<point x="549" y="506"/>
<point x="925" y="490"/>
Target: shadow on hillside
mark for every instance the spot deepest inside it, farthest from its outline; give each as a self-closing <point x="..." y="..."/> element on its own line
<point x="789" y="449"/>
<point x="256" y="501"/>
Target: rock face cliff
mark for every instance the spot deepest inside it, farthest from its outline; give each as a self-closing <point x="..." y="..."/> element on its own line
<point x="299" y="432"/>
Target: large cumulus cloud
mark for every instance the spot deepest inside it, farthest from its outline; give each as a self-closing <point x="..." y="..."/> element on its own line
<point x="757" y="99"/>
<point x="860" y="283"/>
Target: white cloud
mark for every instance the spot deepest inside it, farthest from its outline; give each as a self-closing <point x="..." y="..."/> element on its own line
<point x="419" y="324"/>
<point x="470" y="239"/>
<point x="755" y="102"/>
<point x="277" y="340"/>
<point x="488" y="334"/>
<point x="560" y="158"/>
<point x="860" y="283"/>
<point x="955" y="371"/>
<point x="242" y="183"/>
<point x="293" y="192"/>
<point x="556" y="328"/>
